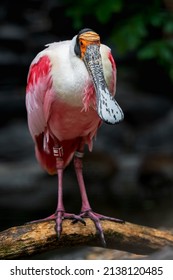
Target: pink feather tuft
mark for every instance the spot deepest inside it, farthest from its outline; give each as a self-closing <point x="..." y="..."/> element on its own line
<point x="89" y="97"/>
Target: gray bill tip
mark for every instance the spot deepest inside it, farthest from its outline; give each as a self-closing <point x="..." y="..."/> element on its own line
<point x="108" y="109"/>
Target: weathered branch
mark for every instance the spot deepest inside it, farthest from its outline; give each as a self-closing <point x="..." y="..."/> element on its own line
<point x="29" y="239"/>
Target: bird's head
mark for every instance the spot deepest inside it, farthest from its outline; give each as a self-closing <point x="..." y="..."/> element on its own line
<point x="87" y="48"/>
<point x="84" y="39"/>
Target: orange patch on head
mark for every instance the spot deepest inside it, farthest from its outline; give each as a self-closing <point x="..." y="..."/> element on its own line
<point x="88" y="38"/>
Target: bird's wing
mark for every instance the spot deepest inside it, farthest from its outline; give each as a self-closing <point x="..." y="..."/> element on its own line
<point x="109" y="68"/>
<point x="38" y="94"/>
<point x="39" y="97"/>
<point x="113" y="73"/>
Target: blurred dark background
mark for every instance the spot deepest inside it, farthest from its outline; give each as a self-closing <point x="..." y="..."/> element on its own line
<point x="129" y="174"/>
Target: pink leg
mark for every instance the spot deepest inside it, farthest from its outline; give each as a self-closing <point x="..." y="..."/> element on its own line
<point x="86" y="211"/>
<point x="60" y="213"/>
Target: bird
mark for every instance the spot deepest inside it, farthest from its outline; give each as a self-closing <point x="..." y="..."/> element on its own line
<point x="70" y="92"/>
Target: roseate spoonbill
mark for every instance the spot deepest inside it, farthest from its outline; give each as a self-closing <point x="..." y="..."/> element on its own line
<point x="70" y="91"/>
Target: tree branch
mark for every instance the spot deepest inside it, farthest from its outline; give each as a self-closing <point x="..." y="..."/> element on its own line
<point x="30" y="239"/>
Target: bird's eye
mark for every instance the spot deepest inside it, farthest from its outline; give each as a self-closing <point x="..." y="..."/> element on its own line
<point x="81" y="43"/>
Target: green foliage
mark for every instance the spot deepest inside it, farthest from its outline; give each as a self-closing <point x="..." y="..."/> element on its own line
<point x="130" y="34"/>
<point x="101" y="9"/>
<point x="142" y="27"/>
<point x="160" y="50"/>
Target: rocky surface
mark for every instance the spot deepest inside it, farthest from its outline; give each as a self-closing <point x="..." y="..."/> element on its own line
<point x="130" y="172"/>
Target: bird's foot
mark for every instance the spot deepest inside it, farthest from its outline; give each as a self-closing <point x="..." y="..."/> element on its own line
<point x="96" y="218"/>
<point x="59" y="216"/>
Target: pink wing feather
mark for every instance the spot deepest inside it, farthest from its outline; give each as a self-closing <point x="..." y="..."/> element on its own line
<point x="38" y="87"/>
<point x="112" y="86"/>
<point x="39" y="97"/>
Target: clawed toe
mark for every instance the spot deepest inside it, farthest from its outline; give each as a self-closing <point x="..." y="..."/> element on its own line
<point x="96" y="218"/>
<point x="60" y="216"/>
<point x="52" y="217"/>
<point x="79" y="219"/>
